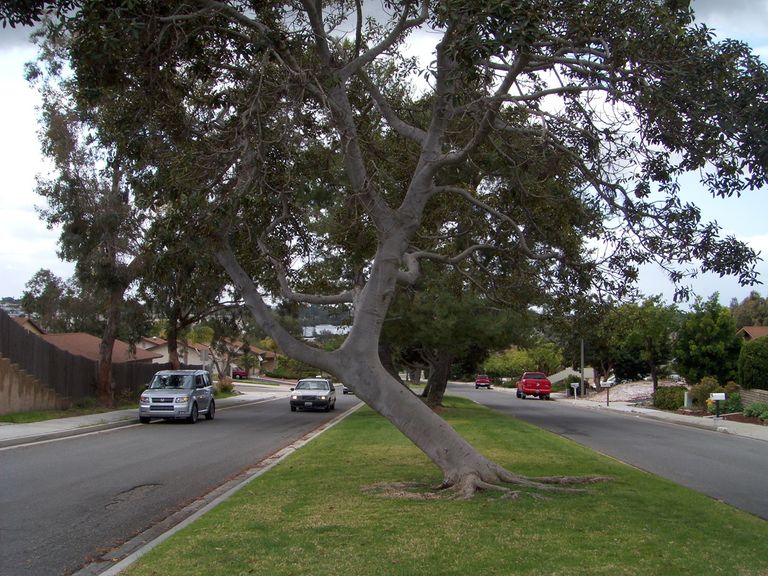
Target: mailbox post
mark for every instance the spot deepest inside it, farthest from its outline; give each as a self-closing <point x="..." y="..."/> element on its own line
<point x="607" y="387"/>
<point x="717" y="396"/>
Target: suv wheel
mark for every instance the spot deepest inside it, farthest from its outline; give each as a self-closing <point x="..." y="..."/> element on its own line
<point x="193" y="415"/>
<point x="211" y="411"/>
<point x="144" y="420"/>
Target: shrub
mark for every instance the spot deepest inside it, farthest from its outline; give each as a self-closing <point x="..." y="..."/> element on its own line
<point x="757" y="410"/>
<point x="701" y="391"/>
<point x="225" y="385"/>
<point x="753" y="364"/>
<point x="291" y="369"/>
<point x="669" y="397"/>
<point x="731" y="387"/>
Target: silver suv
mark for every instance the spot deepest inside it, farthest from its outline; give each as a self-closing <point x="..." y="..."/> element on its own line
<point x="178" y="394"/>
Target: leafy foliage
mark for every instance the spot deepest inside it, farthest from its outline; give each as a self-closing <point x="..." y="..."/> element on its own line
<point x="669" y="397"/>
<point x="752" y="311"/>
<point x="753" y="364"/>
<point x="757" y="410"/>
<point x="707" y="344"/>
<point x="700" y="392"/>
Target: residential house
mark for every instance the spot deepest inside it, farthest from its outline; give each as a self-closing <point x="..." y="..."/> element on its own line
<point x="312" y="332"/>
<point x="267" y="360"/>
<point x="190" y="353"/>
<point x="752" y="332"/>
<point x="86" y="345"/>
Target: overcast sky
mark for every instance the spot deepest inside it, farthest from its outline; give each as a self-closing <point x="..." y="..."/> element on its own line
<point x="26" y="245"/>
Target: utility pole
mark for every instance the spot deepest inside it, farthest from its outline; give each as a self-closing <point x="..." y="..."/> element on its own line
<point x="583" y="385"/>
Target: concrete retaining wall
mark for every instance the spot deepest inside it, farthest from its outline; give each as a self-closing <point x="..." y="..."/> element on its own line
<point x="21" y="392"/>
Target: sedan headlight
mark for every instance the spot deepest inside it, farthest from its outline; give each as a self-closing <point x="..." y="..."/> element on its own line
<point x="181" y="400"/>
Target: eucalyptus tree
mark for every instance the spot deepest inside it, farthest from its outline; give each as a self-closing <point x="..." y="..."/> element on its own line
<point x="628" y="95"/>
<point x="88" y="194"/>
<point x="751" y="311"/>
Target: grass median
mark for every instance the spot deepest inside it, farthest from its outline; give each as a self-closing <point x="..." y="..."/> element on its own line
<point x="319" y="512"/>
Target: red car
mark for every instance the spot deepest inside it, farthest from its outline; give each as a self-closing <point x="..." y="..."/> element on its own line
<point x="534" y="384"/>
<point x="239" y="373"/>
<point x="482" y="381"/>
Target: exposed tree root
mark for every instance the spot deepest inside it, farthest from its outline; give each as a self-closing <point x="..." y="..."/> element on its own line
<point x="466" y="486"/>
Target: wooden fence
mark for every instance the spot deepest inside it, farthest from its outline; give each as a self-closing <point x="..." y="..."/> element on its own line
<point x="73" y="377"/>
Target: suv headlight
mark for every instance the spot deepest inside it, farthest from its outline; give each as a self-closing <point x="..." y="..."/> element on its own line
<point x="181" y="400"/>
<point x="294" y="396"/>
<point x="144" y="399"/>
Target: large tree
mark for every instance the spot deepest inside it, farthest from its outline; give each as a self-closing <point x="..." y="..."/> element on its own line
<point x="707" y="344"/>
<point x="613" y="99"/>
<point x="647" y="332"/>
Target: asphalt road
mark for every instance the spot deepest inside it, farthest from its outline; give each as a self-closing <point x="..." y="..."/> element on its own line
<point x="65" y="503"/>
<point x="729" y="468"/>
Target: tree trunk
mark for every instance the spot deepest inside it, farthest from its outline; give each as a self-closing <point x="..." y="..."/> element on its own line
<point x="385" y="355"/>
<point x="358" y="365"/>
<point x="440" y="367"/>
<point x="104" y="389"/>
<point x="464" y="469"/>
<point x="173" y="345"/>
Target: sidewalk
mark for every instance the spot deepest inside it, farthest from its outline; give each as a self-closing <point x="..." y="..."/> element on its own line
<point x="708" y="423"/>
<point x="16" y="434"/>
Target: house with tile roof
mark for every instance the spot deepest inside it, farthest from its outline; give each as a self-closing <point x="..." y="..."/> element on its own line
<point x="752" y="332"/>
<point x="190" y="353"/>
<point x="87" y="345"/>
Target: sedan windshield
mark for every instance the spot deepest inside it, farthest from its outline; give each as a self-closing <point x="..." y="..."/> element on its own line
<point x="312" y="385"/>
<point x="171" y="381"/>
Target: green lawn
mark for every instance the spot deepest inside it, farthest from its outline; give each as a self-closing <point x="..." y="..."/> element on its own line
<point x="312" y="515"/>
<point x="42" y="415"/>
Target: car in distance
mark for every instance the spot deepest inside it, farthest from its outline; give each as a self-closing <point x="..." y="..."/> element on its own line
<point x="239" y="373"/>
<point x="313" y="394"/>
<point x="534" y="384"/>
<point x="178" y="395"/>
<point x="346" y="389"/>
<point x="482" y="381"/>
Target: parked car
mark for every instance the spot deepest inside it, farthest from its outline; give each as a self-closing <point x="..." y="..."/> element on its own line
<point x="482" y="381"/>
<point x="178" y="394"/>
<point x="346" y="390"/>
<point x="313" y="393"/>
<point x="239" y="373"/>
<point x="534" y="384"/>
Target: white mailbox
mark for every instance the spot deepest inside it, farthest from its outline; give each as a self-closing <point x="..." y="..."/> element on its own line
<point x="717" y="396"/>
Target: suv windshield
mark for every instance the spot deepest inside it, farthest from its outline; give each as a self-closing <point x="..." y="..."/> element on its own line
<point x="172" y="381"/>
<point x="312" y="385"/>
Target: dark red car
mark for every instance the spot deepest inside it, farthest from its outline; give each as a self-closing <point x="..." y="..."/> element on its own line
<point x="239" y="373"/>
<point x="534" y="384"/>
<point x="482" y="381"/>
